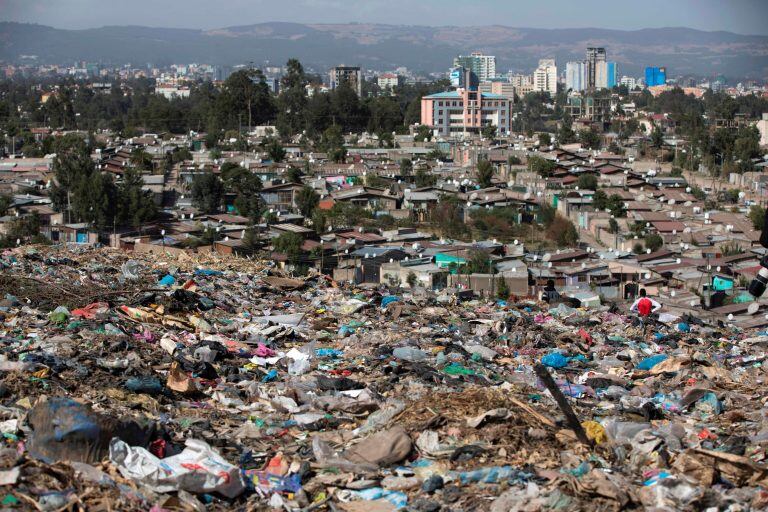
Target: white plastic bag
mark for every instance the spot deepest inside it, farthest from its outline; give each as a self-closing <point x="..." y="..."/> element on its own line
<point x="197" y="469"/>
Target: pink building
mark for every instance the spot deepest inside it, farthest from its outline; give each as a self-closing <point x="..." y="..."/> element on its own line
<point x="461" y="112"/>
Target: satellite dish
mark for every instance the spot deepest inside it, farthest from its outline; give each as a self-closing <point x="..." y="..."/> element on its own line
<point x="753" y="308"/>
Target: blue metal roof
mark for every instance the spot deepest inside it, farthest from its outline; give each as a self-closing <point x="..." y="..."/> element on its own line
<point x="455" y="95"/>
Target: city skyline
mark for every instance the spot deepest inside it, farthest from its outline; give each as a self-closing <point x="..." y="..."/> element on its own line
<point x="738" y="16"/>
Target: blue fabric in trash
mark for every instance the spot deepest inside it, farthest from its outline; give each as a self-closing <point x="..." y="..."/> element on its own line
<point x="555" y="360"/>
<point x="650" y="362"/>
<point x="683" y="327"/>
<point x="208" y="272"/>
<point x="270" y="376"/>
<point x="328" y="352"/>
<point x="167" y="280"/>
<point x="389" y="299"/>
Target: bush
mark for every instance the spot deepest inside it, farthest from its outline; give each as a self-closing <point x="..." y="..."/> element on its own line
<point x="562" y="232"/>
<point x="654" y="242"/>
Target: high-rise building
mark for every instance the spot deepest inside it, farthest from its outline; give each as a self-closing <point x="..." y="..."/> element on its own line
<point x="605" y="75"/>
<point x="655" y="76"/>
<point x="545" y="77"/>
<point x="484" y="66"/>
<point x="576" y="76"/>
<point x="612" y="74"/>
<point x="594" y="57"/>
<point x="347" y="74"/>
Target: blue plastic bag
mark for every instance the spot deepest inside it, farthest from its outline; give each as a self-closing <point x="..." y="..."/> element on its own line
<point x="389" y="299"/>
<point x="555" y="360"/>
<point x="167" y="280"/>
<point x="650" y="362"/>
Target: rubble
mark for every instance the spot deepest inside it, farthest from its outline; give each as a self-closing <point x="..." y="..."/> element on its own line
<point x="202" y="383"/>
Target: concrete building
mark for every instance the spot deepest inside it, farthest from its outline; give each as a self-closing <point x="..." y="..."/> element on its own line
<point x="463" y="111"/>
<point x="545" y="77"/>
<point x="576" y="76"/>
<point x="484" y="66"/>
<point x="523" y="84"/>
<point x="347" y="74"/>
<point x="501" y="88"/>
<point x="389" y="81"/>
<point x="594" y="57"/>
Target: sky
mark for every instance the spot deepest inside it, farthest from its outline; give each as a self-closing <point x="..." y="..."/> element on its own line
<point x="740" y="16"/>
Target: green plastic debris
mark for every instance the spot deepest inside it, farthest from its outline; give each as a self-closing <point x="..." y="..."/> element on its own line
<point x="457" y="369"/>
<point x="9" y="500"/>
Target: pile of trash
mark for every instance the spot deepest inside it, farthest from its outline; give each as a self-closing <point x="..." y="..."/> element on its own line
<point x="132" y="382"/>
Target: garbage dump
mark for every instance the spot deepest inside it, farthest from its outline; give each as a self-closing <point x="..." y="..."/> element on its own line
<point x="132" y="382"/>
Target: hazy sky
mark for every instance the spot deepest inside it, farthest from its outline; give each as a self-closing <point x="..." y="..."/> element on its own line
<point x="741" y="16"/>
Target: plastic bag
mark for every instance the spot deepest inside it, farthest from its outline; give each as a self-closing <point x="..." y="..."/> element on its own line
<point x="198" y="468"/>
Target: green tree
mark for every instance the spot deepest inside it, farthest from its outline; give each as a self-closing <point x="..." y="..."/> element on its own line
<point x="600" y="200"/>
<point x="503" y="290"/>
<point x="207" y="192"/>
<point x="292" y="101"/>
<point x="545" y="139"/>
<point x="141" y="160"/>
<point x="135" y="205"/>
<point x="246" y="186"/>
<point x="587" y="182"/>
<point x="406" y="167"/>
<point x="307" y="200"/>
<point x="293" y="175"/>
<point x="541" y="166"/>
<point x="615" y="205"/>
<point x="423" y="134"/>
<point x="290" y="245"/>
<point x="589" y="139"/>
<point x="613" y="226"/>
<point x="275" y="150"/>
<point x="757" y="216"/>
<point x="411" y="279"/>
<point x="484" y="173"/>
<point x="654" y="242"/>
<point x="489" y="132"/>
<point x="245" y="92"/>
<point x="332" y="143"/>
<point x="565" y="134"/>
<point x="480" y="262"/>
<point x="423" y="178"/>
<point x="657" y="136"/>
<point x="513" y="160"/>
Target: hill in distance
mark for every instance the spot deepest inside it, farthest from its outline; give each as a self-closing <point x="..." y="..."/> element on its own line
<point x="381" y="47"/>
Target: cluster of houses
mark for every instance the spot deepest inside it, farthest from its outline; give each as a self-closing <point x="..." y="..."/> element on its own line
<point x="706" y="256"/>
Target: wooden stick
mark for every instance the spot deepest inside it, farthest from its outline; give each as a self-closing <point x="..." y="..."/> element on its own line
<point x="562" y="402"/>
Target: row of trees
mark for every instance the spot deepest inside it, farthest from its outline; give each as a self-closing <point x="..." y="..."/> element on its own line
<point x="244" y="99"/>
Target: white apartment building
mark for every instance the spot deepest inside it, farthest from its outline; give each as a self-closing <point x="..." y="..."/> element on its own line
<point x="630" y="82"/>
<point x="388" y="80"/>
<point x="545" y="77"/>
